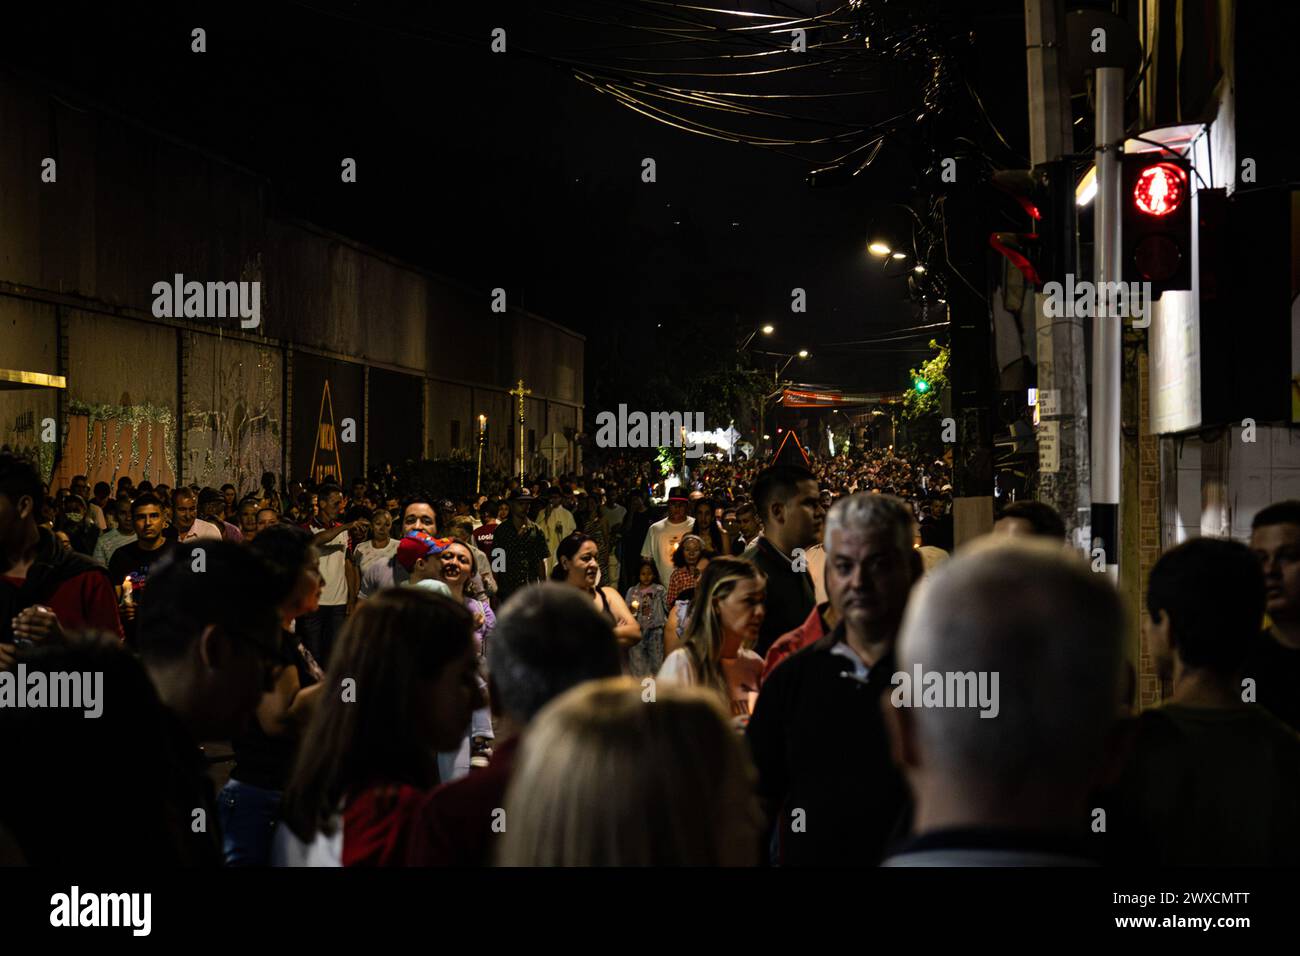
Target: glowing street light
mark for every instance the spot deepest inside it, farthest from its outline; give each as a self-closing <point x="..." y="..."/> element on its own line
<point x="765" y="329"/>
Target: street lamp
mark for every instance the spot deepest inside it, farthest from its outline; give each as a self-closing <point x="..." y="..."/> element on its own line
<point x="765" y="329"/>
<point x="802" y="354"/>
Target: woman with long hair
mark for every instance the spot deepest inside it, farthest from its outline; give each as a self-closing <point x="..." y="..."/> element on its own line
<point x="403" y="680"/>
<point x="723" y="626"/>
<point x="577" y="564"/>
<point x="457" y="572"/>
<point x="713" y="539"/>
<point x="249" y="803"/>
<point x="604" y="779"/>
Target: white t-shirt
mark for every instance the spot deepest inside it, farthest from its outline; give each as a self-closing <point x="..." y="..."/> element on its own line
<point x="660" y="542"/>
<point x="333" y="559"/>
<point x="742" y="675"/>
<point x="365" y="554"/>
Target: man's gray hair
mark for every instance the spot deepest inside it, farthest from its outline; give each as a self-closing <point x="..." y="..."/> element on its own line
<point x="548" y="638"/>
<point x="863" y="512"/>
<point x="1035" y="615"/>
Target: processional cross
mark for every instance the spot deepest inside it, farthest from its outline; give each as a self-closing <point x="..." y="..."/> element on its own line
<point x="520" y="391"/>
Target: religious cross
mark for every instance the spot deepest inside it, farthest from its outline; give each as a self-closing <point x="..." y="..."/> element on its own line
<point x="520" y="391"/>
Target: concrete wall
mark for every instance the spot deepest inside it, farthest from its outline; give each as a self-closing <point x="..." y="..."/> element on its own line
<point x="131" y="207"/>
<point x="449" y="403"/>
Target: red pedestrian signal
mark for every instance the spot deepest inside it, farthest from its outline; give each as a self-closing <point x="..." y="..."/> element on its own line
<point x="1160" y="189"/>
<point x="1157" y="227"/>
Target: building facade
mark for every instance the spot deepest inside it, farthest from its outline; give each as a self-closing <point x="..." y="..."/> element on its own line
<point x="355" y="358"/>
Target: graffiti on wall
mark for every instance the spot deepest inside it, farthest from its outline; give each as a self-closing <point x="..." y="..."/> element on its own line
<point x="325" y="464"/>
<point x="105" y="441"/>
<point x="232" y="417"/>
<point x="329" y="418"/>
<point x="23" y="437"/>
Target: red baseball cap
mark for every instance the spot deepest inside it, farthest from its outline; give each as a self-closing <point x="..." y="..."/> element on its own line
<point x="417" y="545"/>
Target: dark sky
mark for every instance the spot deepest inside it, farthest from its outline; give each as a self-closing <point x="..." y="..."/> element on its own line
<point x="504" y="170"/>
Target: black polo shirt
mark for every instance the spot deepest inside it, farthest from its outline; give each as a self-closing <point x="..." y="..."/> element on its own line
<point x="820" y="744"/>
<point x="790" y="595"/>
<point x="524" y="552"/>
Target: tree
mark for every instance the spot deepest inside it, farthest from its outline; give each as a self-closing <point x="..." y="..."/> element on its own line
<point x="923" y="403"/>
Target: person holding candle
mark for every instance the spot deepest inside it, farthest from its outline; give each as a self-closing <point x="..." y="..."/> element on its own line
<point x="133" y="562"/>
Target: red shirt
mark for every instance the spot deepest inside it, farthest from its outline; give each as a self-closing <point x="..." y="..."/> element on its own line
<point x="82" y="602"/>
<point x="809" y="632"/>
<point x="483" y="536"/>
<point x="377" y="824"/>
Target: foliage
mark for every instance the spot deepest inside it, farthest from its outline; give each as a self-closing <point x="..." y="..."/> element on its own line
<point x="668" y="460"/>
<point x="922" y="409"/>
<point x="921" y="404"/>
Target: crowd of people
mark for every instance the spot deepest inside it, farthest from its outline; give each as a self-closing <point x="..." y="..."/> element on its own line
<point x="744" y="665"/>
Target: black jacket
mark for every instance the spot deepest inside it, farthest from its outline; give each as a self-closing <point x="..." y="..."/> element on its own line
<point x="820" y="745"/>
<point x="790" y="595"/>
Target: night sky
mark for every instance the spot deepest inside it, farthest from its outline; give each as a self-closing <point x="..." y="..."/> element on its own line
<point x="505" y="170"/>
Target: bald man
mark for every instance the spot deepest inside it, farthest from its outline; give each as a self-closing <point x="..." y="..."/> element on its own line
<point x="1004" y="706"/>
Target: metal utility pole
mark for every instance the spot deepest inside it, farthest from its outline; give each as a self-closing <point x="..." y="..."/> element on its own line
<point x="1063" y="453"/>
<point x="1107" y="330"/>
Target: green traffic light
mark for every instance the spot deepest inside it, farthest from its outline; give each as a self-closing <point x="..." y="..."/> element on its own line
<point x="921" y="385"/>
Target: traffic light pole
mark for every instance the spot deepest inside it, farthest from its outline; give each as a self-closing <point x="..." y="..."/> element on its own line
<point x="1107" y="331"/>
<point x="1064" y="470"/>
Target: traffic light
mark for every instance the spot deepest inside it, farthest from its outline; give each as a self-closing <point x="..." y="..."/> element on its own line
<point x="1020" y="246"/>
<point x="1157" y="200"/>
<point x="921" y="385"/>
<point x="1043" y="246"/>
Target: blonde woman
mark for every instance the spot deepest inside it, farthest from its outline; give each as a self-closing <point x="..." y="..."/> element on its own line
<point x="724" y="624"/>
<point x="605" y="778"/>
